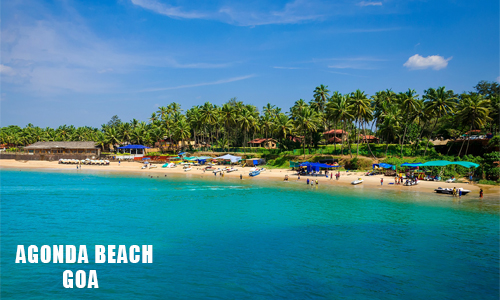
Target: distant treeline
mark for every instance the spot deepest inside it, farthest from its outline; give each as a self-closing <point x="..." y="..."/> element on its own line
<point x="403" y="118"/>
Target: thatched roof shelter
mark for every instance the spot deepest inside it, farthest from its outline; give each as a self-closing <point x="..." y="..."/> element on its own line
<point x="61" y="145"/>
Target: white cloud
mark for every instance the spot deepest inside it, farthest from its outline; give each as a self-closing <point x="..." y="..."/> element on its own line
<point x="369" y="3"/>
<point x="293" y="12"/>
<point x="418" y="62"/>
<point x="199" y="84"/>
<point x="168" y="10"/>
<point x="57" y="56"/>
<point x="6" y="70"/>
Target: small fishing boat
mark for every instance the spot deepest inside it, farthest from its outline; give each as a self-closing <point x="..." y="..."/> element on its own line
<point x="355" y="182"/>
<point x="229" y="170"/>
<point x="254" y="173"/>
<point x="449" y="191"/>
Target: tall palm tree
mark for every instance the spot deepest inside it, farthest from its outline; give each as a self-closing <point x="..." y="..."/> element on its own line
<point x="183" y="131"/>
<point x="361" y="110"/>
<point x="473" y="110"/>
<point x="283" y="127"/>
<point x="409" y="107"/>
<point x="306" y="122"/>
<point x="438" y="103"/>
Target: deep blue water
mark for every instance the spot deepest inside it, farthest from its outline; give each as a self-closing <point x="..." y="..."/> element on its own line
<point x="231" y="239"/>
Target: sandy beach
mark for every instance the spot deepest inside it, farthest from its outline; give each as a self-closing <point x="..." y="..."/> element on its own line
<point x="491" y="192"/>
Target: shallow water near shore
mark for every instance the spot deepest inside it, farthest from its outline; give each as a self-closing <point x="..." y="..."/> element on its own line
<point x="232" y="239"/>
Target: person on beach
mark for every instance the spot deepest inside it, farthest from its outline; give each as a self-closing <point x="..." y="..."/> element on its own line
<point x="316" y="181"/>
<point x="241" y="176"/>
<point x="459" y="194"/>
<point x="381" y="181"/>
<point x="454" y="192"/>
<point x="395" y="180"/>
<point x="118" y="162"/>
<point x="298" y="177"/>
<point x="481" y="193"/>
<point x="331" y="176"/>
<point x="307" y="181"/>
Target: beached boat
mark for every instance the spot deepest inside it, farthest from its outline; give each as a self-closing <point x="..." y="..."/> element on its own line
<point x="410" y="182"/>
<point x="355" y="182"/>
<point x="254" y="173"/>
<point x="187" y="167"/>
<point x="449" y="191"/>
<point x="229" y="170"/>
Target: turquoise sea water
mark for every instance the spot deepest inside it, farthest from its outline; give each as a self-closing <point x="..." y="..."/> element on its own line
<point x="216" y="238"/>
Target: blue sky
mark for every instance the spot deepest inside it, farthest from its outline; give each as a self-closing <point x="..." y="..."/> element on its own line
<point x="70" y="62"/>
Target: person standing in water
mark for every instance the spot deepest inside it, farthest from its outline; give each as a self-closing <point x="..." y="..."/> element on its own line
<point x="481" y="193"/>
<point x="241" y="176"/>
<point x="307" y="181"/>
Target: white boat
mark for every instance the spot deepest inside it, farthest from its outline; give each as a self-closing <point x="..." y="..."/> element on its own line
<point x="187" y="167"/>
<point x="254" y="173"/>
<point x="153" y="166"/>
<point x="449" y="191"/>
<point x="229" y="170"/>
<point x="360" y="180"/>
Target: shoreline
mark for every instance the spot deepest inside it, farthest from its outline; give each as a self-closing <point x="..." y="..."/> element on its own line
<point x="491" y="192"/>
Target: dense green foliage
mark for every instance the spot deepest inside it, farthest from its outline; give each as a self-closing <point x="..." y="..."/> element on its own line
<point x="404" y="122"/>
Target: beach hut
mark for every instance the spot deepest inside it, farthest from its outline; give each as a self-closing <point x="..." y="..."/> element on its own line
<point x="230" y="158"/>
<point x="252" y="162"/>
<point x="135" y="150"/>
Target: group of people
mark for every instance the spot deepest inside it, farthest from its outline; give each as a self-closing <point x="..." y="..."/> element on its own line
<point x="312" y="182"/>
<point x="457" y="192"/>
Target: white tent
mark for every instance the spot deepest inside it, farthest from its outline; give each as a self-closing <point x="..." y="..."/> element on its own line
<point x="232" y="158"/>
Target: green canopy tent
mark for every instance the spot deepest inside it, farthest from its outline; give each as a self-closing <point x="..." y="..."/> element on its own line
<point x="444" y="163"/>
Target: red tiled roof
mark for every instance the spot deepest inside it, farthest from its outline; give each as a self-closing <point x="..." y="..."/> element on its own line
<point x="335" y="139"/>
<point x="260" y="141"/>
<point x="369" y="137"/>
<point x="335" y="131"/>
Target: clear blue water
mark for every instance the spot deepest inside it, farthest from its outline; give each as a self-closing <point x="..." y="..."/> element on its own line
<point x="216" y="238"/>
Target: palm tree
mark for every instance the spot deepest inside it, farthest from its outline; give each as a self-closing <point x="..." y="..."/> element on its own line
<point x="320" y="97"/>
<point x="246" y="122"/>
<point x="473" y="110"/>
<point x="409" y="107"/>
<point x="305" y="122"/>
<point x="183" y="131"/>
<point x="283" y="127"/>
<point x="438" y="103"/>
<point x="361" y="110"/>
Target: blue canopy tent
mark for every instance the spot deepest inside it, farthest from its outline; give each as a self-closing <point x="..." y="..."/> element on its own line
<point x="384" y="166"/>
<point x="136" y="148"/>
<point x="203" y="159"/>
<point x="412" y="165"/>
<point x="315" y="166"/>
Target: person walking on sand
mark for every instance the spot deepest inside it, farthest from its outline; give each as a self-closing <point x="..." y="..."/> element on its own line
<point x="381" y="181"/>
<point x="331" y="176"/>
<point x="481" y="193"/>
<point x="307" y="181"/>
<point x="241" y="176"/>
